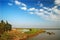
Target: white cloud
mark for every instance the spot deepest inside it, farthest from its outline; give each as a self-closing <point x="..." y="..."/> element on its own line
<point x="53" y="16"/>
<point x="41" y="10"/>
<point x="44" y="12"/>
<point x="48" y="9"/>
<point x="36" y="11"/>
<point x="56" y="10"/>
<point x="23" y="8"/>
<point x="21" y="5"/>
<point x="10" y="4"/>
<point x="57" y="2"/>
<point x="45" y="8"/>
<point x="49" y="15"/>
<point x="31" y="9"/>
<point x="17" y="2"/>
<point x="40" y="14"/>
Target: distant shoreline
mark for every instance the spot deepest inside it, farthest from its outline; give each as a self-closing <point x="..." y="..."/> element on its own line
<point x="41" y="28"/>
<point x="51" y="28"/>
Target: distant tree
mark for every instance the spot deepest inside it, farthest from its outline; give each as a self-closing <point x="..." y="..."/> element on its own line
<point x="4" y="26"/>
<point x="7" y="27"/>
<point x="30" y="29"/>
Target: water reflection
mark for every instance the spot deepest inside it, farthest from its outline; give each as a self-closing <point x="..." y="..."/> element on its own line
<point x="49" y="35"/>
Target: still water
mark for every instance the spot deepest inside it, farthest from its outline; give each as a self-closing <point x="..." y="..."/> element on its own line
<point x="45" y="36"/>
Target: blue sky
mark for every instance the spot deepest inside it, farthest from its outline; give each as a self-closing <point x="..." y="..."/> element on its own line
<point x="31" y="13"/>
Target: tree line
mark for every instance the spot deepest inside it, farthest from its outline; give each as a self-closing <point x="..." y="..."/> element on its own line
<point x="4" y="26"/>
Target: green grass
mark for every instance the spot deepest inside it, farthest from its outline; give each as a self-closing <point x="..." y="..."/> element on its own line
<point x="32" y="31"/>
